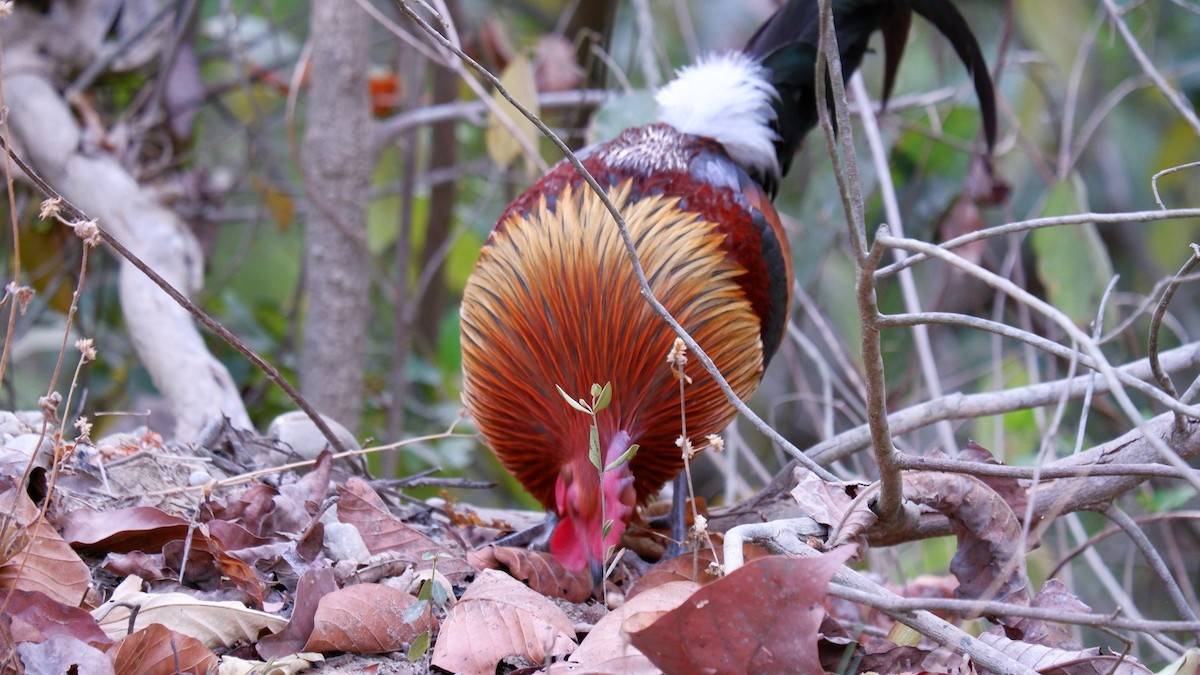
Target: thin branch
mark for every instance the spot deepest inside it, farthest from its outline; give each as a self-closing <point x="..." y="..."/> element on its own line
<point x="1042" y="473"/>
<point x="389" y="129"/>
<point x="1180" y="104"/>
<point x="1062" y="321"/>
<point x="890" y="503"/>
<point x="908" y="285"/>
<point x="1164" y="380"/>
<point x="980" y="607"/>
<point x="1038" y="223"/>
<point x="1144" y="545"/>
<point x="1154" y="180"/>
<point x="1039" y="342"/>
<point x="971" y="406"/>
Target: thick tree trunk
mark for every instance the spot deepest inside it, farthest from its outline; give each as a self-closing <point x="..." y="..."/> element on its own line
<point x="337" y="163"/>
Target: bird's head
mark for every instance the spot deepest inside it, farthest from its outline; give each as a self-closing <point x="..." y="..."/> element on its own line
<point x="579" y="540"/>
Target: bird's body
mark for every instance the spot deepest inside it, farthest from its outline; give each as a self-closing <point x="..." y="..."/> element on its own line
<point x="553" y="301"/>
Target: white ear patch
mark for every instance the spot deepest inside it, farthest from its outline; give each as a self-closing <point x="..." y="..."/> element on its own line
<point x="725" y="97"/>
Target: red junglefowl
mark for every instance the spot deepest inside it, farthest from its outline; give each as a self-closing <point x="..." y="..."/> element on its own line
<point x="553" y="300"/>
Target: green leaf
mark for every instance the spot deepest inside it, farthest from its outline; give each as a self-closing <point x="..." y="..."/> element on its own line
<point x="419" y="646"/>
<point x="607" y="527"/>
<point x="439" y="594"/>
<point x="594" y="448"/>
<point x="1072" y="262"/>
<point x="602" y="396"/>
<point x="414" y="611"/>
<point x="426" y="591"/>
<point x="1164" y="500"/>
<point x="578" y="405"/>
<point x="628" y="455"/>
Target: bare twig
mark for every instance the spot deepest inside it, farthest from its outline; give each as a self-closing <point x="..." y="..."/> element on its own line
<point x="1181" y="105"/>
<point x="1038" y="223"/>
<point x="1164" y="380"/>
<point x="908" y="285"/>
<point x="890" y="503"/>
<point x="970" y="406"/>
<point x="1062" y="321"/>
<point x="1154" y="180"/>
<point x="388" y="130"/>
<point x="1043" y="473"/>
<point x="1146" y="548"/>
<point x="1039" y="342"/>
<point x="897" y="603"/>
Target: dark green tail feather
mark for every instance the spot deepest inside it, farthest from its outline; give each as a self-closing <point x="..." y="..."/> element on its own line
<point x="787" y="46"/>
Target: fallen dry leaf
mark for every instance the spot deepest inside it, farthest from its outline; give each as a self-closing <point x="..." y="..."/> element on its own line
<point x="607" y="648"/>
<point x="157" y="650"/>
<point x="381" y="531"/>
<point x="63" y="654"/>
<point x="539" y="570"/>
<point x="216" y="624"/>
<point x="313" y="585"/>
<point x="1082" y="662"/>
<point x="836" y="506"/>
<point x="1010" y="489"/>
<point x="210" y="568"/>
<point x="988" y="562"/>
<point x="138" y="528"/>
<point x="36" y="617"/>
<point x="498" y="617"/>
<point x="762" y="618"/>
<point x="692" y="567"/>
<point x="366" y="619"/>
<point x="47" y="564"/>
<point x="1053" y="595"/>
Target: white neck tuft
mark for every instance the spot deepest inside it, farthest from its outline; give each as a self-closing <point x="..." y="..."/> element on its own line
<point x="725" y="97"/>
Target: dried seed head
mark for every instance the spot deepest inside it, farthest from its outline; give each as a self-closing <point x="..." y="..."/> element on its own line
<point x="84" y="426"/>
<point x="23" y="295"/>
<point x="85" y="347"/>
<point x="52" y="207"/>
<point x="699" y="531"/>
<point x="716" y="443"/>
<point x="88" y="231"/>
<point x="685" y="445"/>
<point x="677" y="357"/>
<point x="49" y="406"/>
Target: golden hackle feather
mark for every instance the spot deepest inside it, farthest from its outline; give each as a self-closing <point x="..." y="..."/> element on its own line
<point x="554" y="301"/>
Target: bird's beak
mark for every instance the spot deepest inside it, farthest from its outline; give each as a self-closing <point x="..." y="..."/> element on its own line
<point x="596" y="569"/>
